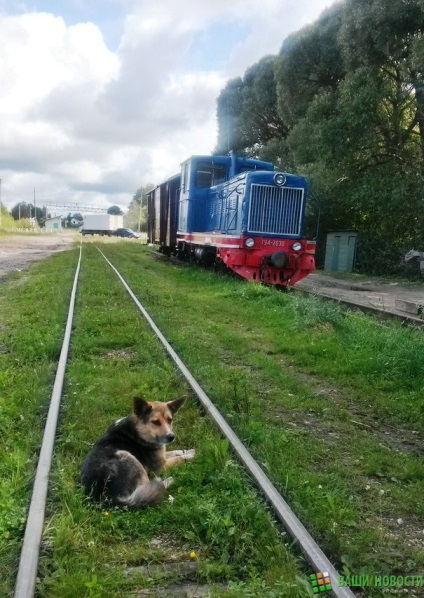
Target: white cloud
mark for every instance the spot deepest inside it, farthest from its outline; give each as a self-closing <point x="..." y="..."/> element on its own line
<point x="83" y="123"/>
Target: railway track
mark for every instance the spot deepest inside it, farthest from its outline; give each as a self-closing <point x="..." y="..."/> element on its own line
<point x="386" y="300"/>
<point x="28" y="565"/>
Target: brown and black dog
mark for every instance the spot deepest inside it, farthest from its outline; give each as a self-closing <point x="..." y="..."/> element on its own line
<point x="118" y="467"/>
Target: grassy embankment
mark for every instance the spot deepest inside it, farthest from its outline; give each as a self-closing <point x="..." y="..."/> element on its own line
<point x="328" y="401"/>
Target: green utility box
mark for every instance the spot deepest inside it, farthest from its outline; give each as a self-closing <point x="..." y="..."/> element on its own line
<point x="340" y="251"/>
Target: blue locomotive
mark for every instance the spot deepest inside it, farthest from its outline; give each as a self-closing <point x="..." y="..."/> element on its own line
<point x="236" y="211"/>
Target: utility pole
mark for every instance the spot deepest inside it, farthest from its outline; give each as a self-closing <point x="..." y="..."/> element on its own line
<point x="139" y="217"/>
<point x="35" y="211"/>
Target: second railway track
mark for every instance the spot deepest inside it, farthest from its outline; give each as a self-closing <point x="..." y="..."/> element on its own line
<point x="388" y="299"/>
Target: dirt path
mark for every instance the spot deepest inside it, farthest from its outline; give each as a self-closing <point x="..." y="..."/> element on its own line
<point x="18" y="251"/>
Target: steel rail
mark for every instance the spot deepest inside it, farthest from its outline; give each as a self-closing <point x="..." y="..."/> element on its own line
<point x="384" y="314"/>
<point x="309" y="547"/>
<point x="28" y="563"/>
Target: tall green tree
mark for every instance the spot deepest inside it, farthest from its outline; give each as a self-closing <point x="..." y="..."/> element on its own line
<point x="115" y="210"/>
<point x="247" y="111"/>
<point x="259" y="118"/>
<point x="389" y="36"/>
<point x="352" y="145"/>
<point x="229" y="105"/>
<point x="309" y="62"/>
<point x="343" y="104"/>
<point x="76" y="217"/>
<point x="26" y="210"/>
<point x="136" y="215"/>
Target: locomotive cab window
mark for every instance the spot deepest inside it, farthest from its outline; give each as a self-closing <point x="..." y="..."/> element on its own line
<point x="246" y="168"/>
<point x="209" y="174"/>
<point x="185" y="178"/>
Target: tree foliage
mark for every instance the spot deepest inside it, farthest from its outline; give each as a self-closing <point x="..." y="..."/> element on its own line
<point x="115" y="210"/>
<point x="73" y="220"/>
<point x="229" y="105"/>
<point x="309" y="62"/>
<point x="6" y="220"/>
<point x="343" y="104"/>
<point x="247" y="111"/>
<point x="136" y="215"/>
<point x="23" y="210"/>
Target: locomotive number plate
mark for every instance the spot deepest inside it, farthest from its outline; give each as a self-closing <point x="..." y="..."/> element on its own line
<point x="273" y="242"/>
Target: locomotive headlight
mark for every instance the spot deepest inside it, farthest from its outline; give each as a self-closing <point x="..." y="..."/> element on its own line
<point x="297" y="246"/>
<point x="249" y="242"/>
<point x="279" y="179"/>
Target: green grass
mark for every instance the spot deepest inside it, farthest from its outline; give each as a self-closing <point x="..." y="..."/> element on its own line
<point x="328" y="400"/>
<point x="33" y="307"/>
<point x="216" y="513"/>
<point x="6" y="220"/>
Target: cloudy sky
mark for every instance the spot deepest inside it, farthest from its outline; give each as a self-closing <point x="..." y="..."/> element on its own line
<point x="99" y="97"/>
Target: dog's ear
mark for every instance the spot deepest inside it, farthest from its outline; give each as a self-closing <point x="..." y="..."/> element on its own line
<point x="141" y="407"/>
<point x="176" y="404"/>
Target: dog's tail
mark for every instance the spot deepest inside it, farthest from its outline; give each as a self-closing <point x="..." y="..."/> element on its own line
<point x="145" y="494"/>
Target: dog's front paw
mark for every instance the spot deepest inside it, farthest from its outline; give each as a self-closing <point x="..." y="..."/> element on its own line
<point x="167" y="482"/>
<point x="188" y="454"/>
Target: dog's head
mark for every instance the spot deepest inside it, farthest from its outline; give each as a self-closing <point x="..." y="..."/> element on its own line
<point x="154" y="420"/>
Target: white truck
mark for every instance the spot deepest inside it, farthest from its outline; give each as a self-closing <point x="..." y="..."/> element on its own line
<point x="101" y="224"/>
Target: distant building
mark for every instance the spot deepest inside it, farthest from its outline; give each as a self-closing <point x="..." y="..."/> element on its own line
<point x="53" y="224"/>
